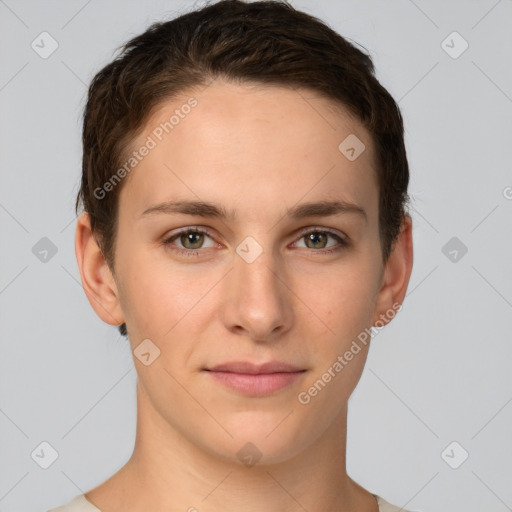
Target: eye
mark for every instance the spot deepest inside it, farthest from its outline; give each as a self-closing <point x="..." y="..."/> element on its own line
<point x="317" y="238"/>
<point x="191" y="239"/>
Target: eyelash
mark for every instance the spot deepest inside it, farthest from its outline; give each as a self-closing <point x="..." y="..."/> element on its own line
<point x="167" y="242"/>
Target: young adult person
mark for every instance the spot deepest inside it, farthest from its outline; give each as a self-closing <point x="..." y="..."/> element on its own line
<point x="244" y="190"/>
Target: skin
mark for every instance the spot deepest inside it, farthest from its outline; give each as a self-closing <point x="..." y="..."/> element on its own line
<point x="257" y="151"/>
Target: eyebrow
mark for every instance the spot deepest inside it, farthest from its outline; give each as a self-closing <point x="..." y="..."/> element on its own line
<point x="206" y="209"/>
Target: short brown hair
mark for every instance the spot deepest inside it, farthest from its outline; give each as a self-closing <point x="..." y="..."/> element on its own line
<point x="266" y="42"/>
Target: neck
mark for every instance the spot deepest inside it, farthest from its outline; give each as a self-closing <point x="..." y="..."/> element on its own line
<point x="167" y="472"/>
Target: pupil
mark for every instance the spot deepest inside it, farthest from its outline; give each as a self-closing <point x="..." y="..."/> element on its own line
<point x="312" y="236"/>
<point x="190" y="236"/>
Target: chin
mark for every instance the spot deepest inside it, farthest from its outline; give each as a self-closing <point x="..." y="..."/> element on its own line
<point x="261" y="441"/>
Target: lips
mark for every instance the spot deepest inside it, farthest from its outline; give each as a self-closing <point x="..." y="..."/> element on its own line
<point x="255" y="380"/>
<point x="249" y="368"/>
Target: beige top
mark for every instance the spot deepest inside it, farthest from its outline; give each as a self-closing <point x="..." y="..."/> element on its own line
<point x="81" y="504"/>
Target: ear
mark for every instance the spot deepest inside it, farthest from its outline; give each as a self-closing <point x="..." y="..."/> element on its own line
<point x="395" y="277"/>
<point x="97" y="279"/>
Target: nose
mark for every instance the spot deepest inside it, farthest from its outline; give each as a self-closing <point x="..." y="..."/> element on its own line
<point x="257" y="300"/>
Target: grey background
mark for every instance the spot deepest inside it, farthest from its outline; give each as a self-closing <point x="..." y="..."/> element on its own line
<point x="440" y="372"/>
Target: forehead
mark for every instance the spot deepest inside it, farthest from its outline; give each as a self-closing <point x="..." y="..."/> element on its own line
<point x="249" y="144"/>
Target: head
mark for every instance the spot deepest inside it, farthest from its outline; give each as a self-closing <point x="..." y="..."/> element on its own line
<point x="252" y="110"/>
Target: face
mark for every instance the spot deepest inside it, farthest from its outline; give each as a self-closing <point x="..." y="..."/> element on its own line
<point x="257" y="276"/>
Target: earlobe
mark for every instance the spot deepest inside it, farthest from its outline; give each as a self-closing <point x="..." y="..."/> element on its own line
<point x="97" y="279"/>
<point x="396" y="275"/>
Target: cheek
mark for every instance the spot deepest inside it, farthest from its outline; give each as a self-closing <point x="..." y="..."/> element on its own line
<point x="347" y="300"/>
<point x="340" y="353"/>
<point x="159" y="298"/>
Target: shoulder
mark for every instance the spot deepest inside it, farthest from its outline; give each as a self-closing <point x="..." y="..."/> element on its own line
<point x="77" y="504"/>
<point x="384" y="506"/>
<point x="81" y="504"/>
